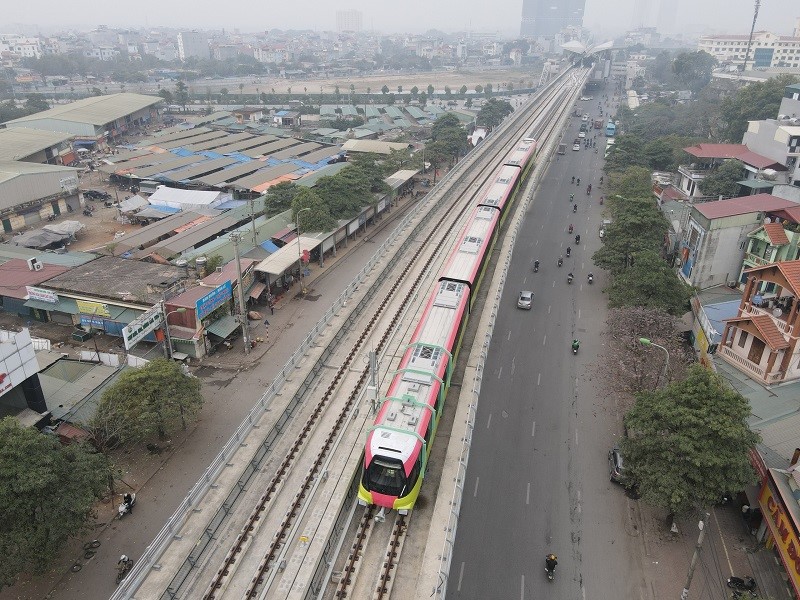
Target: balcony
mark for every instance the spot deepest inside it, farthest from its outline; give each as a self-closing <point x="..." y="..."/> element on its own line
<point x="756" y="260"/>
<point x="693" y="174"/>
<point x="741" y="363"/>
<point x="780" y="322"/>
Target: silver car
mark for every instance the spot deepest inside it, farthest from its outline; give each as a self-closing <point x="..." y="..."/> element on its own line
<point x="525" y="300"/>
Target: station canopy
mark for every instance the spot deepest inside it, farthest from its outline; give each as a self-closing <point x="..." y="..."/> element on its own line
<point x="280" y="261"/>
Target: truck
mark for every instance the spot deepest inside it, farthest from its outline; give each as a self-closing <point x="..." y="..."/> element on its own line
<point x="598" y="123"/>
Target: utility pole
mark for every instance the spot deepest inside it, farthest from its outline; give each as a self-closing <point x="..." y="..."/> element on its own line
<point x="253" y="222"/>
<point x="236" y="237"/>
<point x="695" y="556"/>
<point x="750" y="39"/>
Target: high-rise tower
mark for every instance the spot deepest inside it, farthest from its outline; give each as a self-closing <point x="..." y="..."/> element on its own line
<point x="545" y="18"/>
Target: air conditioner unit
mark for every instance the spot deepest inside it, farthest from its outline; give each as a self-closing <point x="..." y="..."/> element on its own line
<point x="34" y="264"/>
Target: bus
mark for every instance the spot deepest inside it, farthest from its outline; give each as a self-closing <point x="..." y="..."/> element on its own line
<point x="611" y="129"/>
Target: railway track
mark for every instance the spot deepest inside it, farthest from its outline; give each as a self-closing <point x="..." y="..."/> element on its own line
<point x="280" y="509"/>
<point x="355" y="581"/>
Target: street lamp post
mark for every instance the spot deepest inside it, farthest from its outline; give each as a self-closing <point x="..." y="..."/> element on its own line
<point x="300" y="250"/>
<point x="167" y="338"/>
<point x="646" y="342"/>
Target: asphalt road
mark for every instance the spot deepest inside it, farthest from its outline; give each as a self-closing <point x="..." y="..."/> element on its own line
<point x="537" y="480"/>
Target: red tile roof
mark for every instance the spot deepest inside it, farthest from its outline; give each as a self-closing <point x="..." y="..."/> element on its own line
<point x="15" y="275"/>
<point x="791" y="214"/>
<point x="228" y="272"/>
<point x="790" y="269"/>
<point x="770" y="333"/>
<point x="741" y="206"/>
<point x="716" y="150"/>
<point x="759" y="162"/>
<point x="776" y="234"/>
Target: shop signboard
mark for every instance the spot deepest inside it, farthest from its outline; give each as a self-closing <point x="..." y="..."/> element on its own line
<point x="783" y="530"/>
<point x="99" y="309"/>
<point x="213" y="300"/>
<point x="137" y="330"/>
<point x="41" y="295"/>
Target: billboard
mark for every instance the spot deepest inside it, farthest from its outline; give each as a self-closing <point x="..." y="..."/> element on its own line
<point x="137" y="330"/>
<point x="213" y="300"/>
<point x="87" y="307"/>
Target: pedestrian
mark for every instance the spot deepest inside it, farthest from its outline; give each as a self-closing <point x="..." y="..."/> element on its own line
<point x="266" y="323"/>
<point x="272" y="308"/>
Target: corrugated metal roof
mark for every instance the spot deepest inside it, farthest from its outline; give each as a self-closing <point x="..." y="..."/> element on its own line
<point x="271" y="147"/>
<point x="97" y="110"/>
<point x="66" y="259"/>
<point x="374" y="146"/>
<point x="17" y="143"/>
<point x="263" y="176"/>
<point x="202" y="169"/>
<point x="167" y="165"/>
<point x="294" y="151"/>
<point x="191" y="237"/>
<point x="184" y="142"/>
<point x="322" y="153"/>
<point x="15" y="275"/>
<point x="742" y="206"/>
<point x="231" y="173"/>
<point x="219" y="142"/>
<point x="311" y="179"/>
<point x="154" y="231"/>
<point x="12" y="168"/>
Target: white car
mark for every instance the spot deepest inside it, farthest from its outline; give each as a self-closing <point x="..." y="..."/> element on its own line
<point x="525" y="300"/>
<point x="576" y="147"/>
<point x="581" y="134"/>
<point x="585" y="98"/>
<point x="585" y="117"/>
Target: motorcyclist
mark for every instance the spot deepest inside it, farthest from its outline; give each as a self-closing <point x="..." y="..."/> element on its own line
<point x="570" y="227"/>
<point x="601" y="179"/>
<point x="570" y="277"/>
<point x="575" y="345"/>
<point x="560" y="260"/>
<point x="578" y="239"/>
<point x="572" y="197"/>
<point x="550" y="562"/>
<point x="127" y="500"/>
<point x="573" y="179"/>
<point x="590" y="277"/>
<point x="578" y="180"/>
<point x="536" y="264"/>
<point x="574" y="208"/>
<point x="569" y="251"/>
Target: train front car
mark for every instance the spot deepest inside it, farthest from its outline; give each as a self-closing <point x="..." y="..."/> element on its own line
<point x="522" y="153"/>
<point x="397" y="447"/>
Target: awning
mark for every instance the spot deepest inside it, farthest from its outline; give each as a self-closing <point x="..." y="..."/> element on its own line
<point x="64" y="305"/>
<point x="269" y="246"/>
<point x="223" y="327"/>
<point x="257" y="290"/>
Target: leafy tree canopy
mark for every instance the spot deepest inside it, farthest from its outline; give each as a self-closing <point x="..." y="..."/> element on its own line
<point x="145" y="402"/>
<point x="689" y="443"/>
<point x="36" y="103"/>
<point x="722" y="181"/>
<point x="754" y="102"/>
<point x="693" y="69"/>
<point x="651" y="283"/>
<point x="493" y="112"/>
<point x="46" y="495"/>
<point x="279" y="197"/>
<point x="318" y="218"/>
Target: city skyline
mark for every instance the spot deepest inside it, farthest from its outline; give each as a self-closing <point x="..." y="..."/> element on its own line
<point x="605" y="18"/>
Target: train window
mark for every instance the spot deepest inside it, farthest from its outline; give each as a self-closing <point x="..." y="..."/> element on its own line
<point x="414" y="475"/>
<point x="429" y="429"/>
<point x="386" y="476"/>
<point x="504" y="180"/>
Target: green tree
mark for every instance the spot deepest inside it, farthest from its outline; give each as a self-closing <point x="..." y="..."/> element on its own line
<point x="279" y="198"/>
<point x="36" y="103"/>
<point x="493" y="112"/>
<point x="47" y="491"/>
<point x="167" y="96"/>
<point x="213" y="263"/>
<point x="689" y="443"/>
<point x="182" y="94"/>
<point x="399" y="89"/>
<point x="627" y="151"/>
<point x="414" y="91"/>
<point x="487" y="90"/>
<point x="693" y="69"/>
<point x="241" y="95"/>
<point x="755" y="102"/>
<point x="447" y="91"/>
<point x="96" y="91"/>
<point x="722" y="181"/>
<point x="147" y="401"/>
<point x="385" y="90"/>
<point x="659" y="154"/>
<point x="468" y="103"/>
<point x="318" y="218"/>
<point x="430" y="90"/>
<point x="649" y="282"/>
<point x="479" y="89"/>
<point x="463" y="90"/>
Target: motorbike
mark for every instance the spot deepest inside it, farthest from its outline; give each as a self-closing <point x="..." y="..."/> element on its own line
<point x="551" y="573"/>
<point x="590" y="278"/>
<point x="573" y="179"/>
<point x="560" y="261"/>
<point x="569" y="251"/>
<point x="577" y="239"/>
<point x="536" y="267"/>
<point x="742" y="584"/>
<point x="575" y="346"/>
<point x="569" y="278"/>
<point x="601" y="200"/>
<point x="125" y="507"/>
<point x="574" y="208"/>
<point x="87" y="212"/>
<point x="124" y="567"/>
<point x="578" y="180"/>
<point x="570" y="227"/>
<point x="51" y="218"/>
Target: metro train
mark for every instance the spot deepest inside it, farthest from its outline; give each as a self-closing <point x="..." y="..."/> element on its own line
<point x="399" y="442"/>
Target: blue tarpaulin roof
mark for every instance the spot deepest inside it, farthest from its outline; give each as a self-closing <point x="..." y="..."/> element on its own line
<point x="269" y="246"/>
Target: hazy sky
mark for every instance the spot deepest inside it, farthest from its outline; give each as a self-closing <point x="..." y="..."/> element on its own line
<point x="602" y="16"/>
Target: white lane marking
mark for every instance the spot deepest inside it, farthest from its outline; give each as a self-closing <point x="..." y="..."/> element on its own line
<point x="513" y="365"/>
<point x="461" y="576"/>
<point x="722" y="539"/>
<point x="583" y="592"/>
<point x="544" y="341"/>
<point x="509" y="335"/>
<point x="548" y="309"/>
<point x="476" y="487"/>
<point x="522" y="589"/>
<point x="489" y="422"/>
<point x="528" y="495"/>
<point x="576" y="437"/>
<point x="500" y="372"/>
<point x="554" y="284"/>
<point x="579" y="313"/>
<point x="539" y="379"/>
<point x="533" y="429"/>
<point x="580" y="287"/>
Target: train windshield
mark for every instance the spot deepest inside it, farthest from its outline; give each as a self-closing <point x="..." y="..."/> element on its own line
<point x="386" y="476"/>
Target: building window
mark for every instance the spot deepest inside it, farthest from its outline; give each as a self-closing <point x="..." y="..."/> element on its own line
<point x="742" y="339"/>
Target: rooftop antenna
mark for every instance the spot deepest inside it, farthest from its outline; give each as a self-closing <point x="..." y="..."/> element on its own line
<point x="750" y="39"/>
